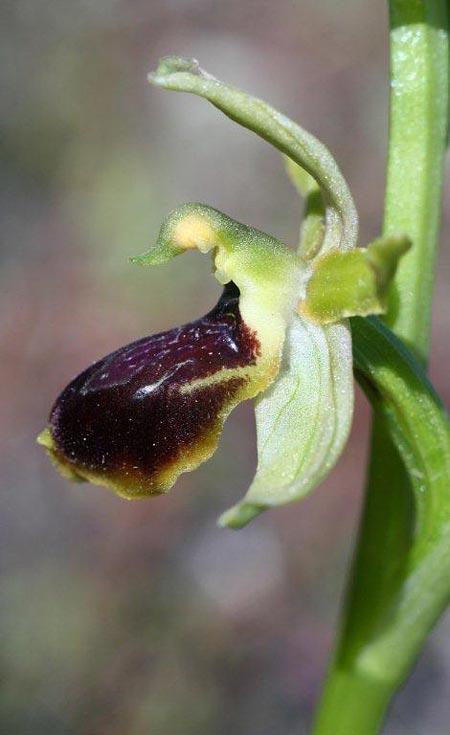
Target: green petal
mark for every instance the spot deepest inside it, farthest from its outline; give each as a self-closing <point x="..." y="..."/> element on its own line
<point x="303" y="419"/>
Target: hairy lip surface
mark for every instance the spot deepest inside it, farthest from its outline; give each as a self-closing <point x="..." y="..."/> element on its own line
<point x="148" y="410"/>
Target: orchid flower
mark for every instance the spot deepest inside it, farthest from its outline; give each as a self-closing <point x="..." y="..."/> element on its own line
<point x="139" y="417"/>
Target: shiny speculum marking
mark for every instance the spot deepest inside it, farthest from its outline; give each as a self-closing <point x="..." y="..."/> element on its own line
<point x="146" y="409"/>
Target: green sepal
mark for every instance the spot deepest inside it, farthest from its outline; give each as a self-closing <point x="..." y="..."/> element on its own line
<point x="341" y="220"/>
<point x="354" y="283"/>
<point x="302" y="420"/>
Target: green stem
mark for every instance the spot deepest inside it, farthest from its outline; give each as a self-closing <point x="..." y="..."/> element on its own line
<point x="390" y="607"/>
<point x="417" y="142"/>
<point x="361" y="713"/>
<point x="394" y="600"/>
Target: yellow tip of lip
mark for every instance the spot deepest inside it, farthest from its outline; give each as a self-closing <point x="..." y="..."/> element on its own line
<point x="45" y="439"/>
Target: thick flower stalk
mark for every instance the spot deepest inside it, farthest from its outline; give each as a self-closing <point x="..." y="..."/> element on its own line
<point x="138" y="418"/>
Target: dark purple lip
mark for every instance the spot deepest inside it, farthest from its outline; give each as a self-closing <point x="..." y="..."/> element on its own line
<point x="136" y="412"/>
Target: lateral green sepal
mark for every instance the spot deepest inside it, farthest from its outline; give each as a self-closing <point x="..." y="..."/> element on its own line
<point x="302" y="420"/>
<point x="353" y="283"/>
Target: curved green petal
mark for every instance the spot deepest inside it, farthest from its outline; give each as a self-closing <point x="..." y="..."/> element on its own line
<point x="302" y="420"/>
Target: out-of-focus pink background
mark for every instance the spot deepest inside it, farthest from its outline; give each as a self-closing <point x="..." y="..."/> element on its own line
<point x="143" y="617"/>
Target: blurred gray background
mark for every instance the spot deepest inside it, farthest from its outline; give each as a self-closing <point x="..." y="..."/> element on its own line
<point x="143" y="618"/>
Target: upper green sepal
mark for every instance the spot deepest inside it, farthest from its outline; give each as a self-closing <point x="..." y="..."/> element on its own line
<point x="341" y="220"/>
<point x="170" y="65"/>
